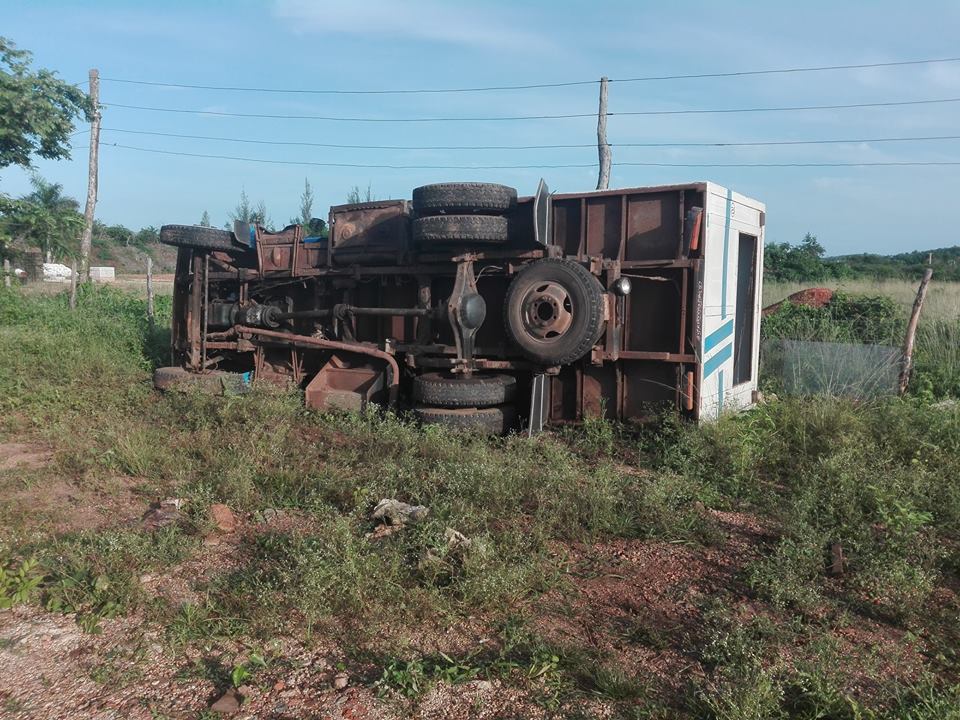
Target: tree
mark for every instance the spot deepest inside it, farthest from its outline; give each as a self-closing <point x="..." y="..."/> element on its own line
<point x="245" y="212"/>
<point x="46" y="218"/>
<point x="306" y="204"/>
<point x="37" y="110"/>
<point x="797" y="263"/>
<point x="205" y="219"/>
<point x="354" y="196"/>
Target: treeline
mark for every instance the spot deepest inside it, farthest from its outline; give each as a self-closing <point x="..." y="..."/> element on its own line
<point x="805" y="262"/>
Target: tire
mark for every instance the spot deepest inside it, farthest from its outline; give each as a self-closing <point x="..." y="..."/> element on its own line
<point x="460" y="229"/>
<point x="553" y="311"/>
<point x="478" y="391"/>
<point x="489" y="421"/>
<point x="197" y="236"/>
<point x="464" y="198"/>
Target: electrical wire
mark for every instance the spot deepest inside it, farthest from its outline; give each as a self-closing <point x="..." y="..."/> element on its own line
<point x="501" y="118"/>
<point x="535" y="117"/>
<point x="755" y="143"/>
<point x="530" y="167"/>
<point x="532" y="86"/>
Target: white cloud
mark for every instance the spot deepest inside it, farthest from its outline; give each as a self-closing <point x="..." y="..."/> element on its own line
<point x="429" y="20"/>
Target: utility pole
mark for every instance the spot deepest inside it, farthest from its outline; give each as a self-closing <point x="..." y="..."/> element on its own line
<point x="92" y="176"/>
<point x="603" y="182"/>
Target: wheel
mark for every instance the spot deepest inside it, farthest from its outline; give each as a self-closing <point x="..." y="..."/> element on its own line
<point x="490" y="420"/>
<point x="461" y="198"/>
<point x="553" y="311"/>
<point x="448" y="391"/>
<point x="460" y="229"/>
<point x="198" y="237"/>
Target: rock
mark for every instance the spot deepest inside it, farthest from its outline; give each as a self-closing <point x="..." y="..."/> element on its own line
<point x="223" y="518"/>
<point x="163" y="513"/>
<point x="211" y="539"/>
<point x="271" y="514"/>
<point x="394" y="512"/>
<point x="340" y="681"/>
<point x="279" y="685"/>
<point x="246" y="691"/>
<point x="228" y="703"/>
<point x="456" y="540"/>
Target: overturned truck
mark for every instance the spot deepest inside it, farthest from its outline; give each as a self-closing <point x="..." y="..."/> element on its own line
<point x="471" y="307"/>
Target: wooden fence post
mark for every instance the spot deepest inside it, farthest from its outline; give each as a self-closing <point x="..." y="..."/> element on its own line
<point x="73" y="284"/>
<point x="912" y="331"/>
<point x="150" y="291"/>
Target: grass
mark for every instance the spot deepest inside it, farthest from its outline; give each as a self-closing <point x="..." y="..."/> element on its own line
<point x="880" y="479"/>
<point x="943" y="298"/>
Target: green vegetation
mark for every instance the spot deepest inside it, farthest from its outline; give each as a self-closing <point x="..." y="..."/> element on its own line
<point x="775" y="634"/>
<point x="806" y="263"/>
<point x="37" y="109"/>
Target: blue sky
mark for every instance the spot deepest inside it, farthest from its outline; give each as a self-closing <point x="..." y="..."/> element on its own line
<point x="377" y="44"/>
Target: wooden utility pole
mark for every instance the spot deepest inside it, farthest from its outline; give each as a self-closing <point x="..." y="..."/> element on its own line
<point x="92" y="176"/>
<point x="150" y="291"/>
<point x="603" y="181"/>
<point x="912" y="331"/>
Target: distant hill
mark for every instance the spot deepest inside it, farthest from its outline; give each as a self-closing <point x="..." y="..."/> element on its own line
<point x="909" y="265"/>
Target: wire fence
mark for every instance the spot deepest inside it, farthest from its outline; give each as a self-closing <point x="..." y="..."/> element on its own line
<point x="831" y="369"/>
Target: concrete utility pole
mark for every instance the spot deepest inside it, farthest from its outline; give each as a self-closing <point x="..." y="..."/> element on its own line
<point x="603" y="182"/>
<point x="92" y="175"/>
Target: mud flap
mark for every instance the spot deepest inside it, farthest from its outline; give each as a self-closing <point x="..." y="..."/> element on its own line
<point x="539" y="395"/>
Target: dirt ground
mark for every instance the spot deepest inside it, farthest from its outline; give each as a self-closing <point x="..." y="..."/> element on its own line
<point x="635" y="603"/>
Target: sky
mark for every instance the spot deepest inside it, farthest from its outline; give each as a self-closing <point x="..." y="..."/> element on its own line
<point x="437" y="44"/>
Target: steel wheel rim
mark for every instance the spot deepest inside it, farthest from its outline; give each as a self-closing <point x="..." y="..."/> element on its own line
<point x="547" y="311"/>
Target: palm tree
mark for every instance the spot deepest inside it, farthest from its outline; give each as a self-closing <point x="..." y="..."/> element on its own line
<point x="57" y="217"/>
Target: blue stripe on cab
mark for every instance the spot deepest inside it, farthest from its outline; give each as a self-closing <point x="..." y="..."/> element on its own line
<point x="721" y="356"/>
<point x="717" y="336"/>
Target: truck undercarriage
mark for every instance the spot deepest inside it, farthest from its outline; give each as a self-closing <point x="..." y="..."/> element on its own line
<point x="467" y="305"/>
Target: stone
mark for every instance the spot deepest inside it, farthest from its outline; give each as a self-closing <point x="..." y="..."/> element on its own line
<point x="223" y="518"/>
<point x="456" y="540"/>
<point x="163" y="513"/>
<point x="340" y="681"/>
<point x="271" y="514"/>
<point x="228" y="703"/>
<point x="394" y="512"/>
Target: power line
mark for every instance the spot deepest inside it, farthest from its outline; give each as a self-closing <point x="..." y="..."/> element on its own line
<point x="756" y="143"/>
<point x="649" y="78"/>
<point x="328" y="118"/>
<point x="530" y="167"/>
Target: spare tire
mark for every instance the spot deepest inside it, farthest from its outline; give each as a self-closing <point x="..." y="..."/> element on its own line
<point x="450" y="391"/>
<point x="490" y="420"/>
<point x="462" y="198"/>
<point x="198" y="236"/>
<point x="460" y="229"/>
<point x="553" y="311"/>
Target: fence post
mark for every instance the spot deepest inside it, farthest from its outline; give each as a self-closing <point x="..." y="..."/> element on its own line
<point x="6" y="272"/>
<point x="912" y="331"/>
<point x="73" y="284"/>
<point x="150" y="291"/>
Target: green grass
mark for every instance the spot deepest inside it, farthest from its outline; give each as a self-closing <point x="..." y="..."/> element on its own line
<point x="880" y="478"/>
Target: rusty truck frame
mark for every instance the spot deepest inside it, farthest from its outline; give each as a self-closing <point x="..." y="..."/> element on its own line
<point x="471" y="307"/>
